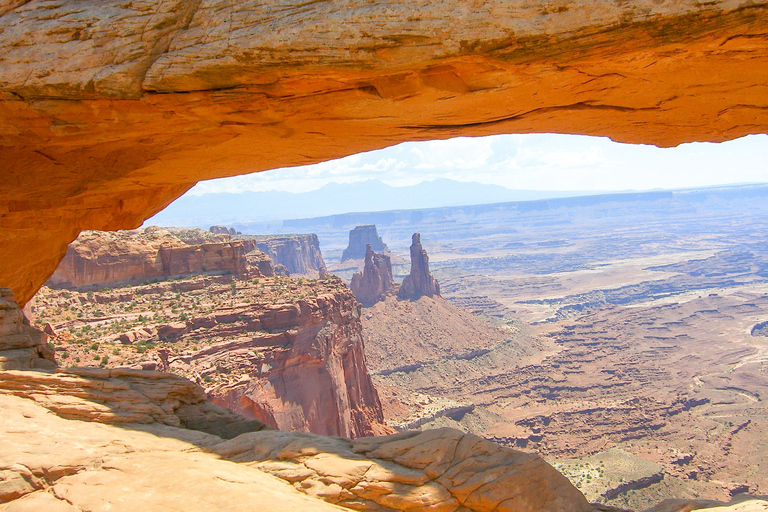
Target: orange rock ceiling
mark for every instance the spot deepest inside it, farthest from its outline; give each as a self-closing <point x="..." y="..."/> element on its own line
<point x="110" y="110"/>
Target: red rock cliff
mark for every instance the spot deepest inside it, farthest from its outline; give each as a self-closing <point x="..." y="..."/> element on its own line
<point x="313" y="376"/>
<point x="375" y="281"/>
<point x="300" y="254"/>
<point x="103" y="258"/>
<point x="284" y="351"/>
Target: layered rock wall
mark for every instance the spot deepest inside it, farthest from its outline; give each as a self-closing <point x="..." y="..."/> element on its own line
<point x="309" y="373"/>
<point x="419" y="282"/>
<point x="359" y="239"/>
<point x="288" y="352"/>
<point x="300" y="254"/>
<point x="111" y="110"/>
<point x="375" y="281"/>
<point x="101" y="258"/>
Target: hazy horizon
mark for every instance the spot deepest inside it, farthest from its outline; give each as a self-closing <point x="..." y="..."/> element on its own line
<point x="540" y="162"/>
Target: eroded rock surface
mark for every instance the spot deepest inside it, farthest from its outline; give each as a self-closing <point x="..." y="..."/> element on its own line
<point x="299" y="254"/>
<point x="420" y="282"/>
<point x="287" y="352"/>
<point x="440" y="470"/>
<point x="375" y="281"/>
<point x="88" y="143"/>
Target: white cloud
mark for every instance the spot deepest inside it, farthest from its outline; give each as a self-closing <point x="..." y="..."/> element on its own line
<point x="536" y="161"/>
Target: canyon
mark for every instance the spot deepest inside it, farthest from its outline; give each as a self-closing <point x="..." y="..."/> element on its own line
<point x="637" y="330"/>
<point x="111" y="111"/>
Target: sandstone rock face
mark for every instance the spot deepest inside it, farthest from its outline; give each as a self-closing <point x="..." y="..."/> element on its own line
<point x="123" y="396"/>
<point x="287" y="352"/>
<point x="312" y="377"/>
<point x="59" y="464"/>
<point x="88" y="143"/>
<point x="261" y="261"/>
<point x="440" y="470"/>
<point x="360" y="238"/>
<point x="419" y="283"/>
<point x="375" y="281"/>
<point x="100" y="258"/>
<point x="54" y="464"/>
<point x="22" y="347"/>
<point x="300" y="254"/>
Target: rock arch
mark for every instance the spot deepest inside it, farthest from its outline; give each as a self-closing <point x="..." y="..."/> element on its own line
<point x="109" y="113"/>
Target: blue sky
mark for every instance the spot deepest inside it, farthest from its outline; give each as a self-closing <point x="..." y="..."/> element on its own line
<point x="527" y="162"/>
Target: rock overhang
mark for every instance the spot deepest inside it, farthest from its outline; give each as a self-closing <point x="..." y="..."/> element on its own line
<point x="109" y="111"/>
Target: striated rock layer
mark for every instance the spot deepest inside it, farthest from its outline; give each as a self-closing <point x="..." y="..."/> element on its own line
<point x="22" y="347"/>
<point x="375" y="281"/>
<point x="110" y="110"/>
<point x="420" y="282"/>
<point x="309" y="373"/>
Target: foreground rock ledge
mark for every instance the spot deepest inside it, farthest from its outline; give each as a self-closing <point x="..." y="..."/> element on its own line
<point x="440" y="470"/>
<point x="110" y="112"/>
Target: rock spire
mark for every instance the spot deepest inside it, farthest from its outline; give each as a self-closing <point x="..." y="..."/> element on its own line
<point x="420" y="281"/>
<point x="375" y="281"/>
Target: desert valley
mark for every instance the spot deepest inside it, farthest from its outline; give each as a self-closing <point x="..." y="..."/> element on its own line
<point x="544" y="349"/>
<point x="621" y="337"/>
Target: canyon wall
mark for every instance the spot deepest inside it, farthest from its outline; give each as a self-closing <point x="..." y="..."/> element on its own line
<point x="285" y="351"/>
<point x="312" y="377"/>
<point x="104" y="258"/>
<point x="300" y="254"/>
<point x="110" y="112"/>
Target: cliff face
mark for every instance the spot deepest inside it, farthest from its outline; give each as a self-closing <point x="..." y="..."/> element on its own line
<point x="375" y="281"/>
<point x="102" y="258"/>
<point x="106" y="138"/>
<point x="300" y="254"/>
<point x="285" y="352"/>
<point x="312" y="378"/>
<point x="360" y="238"/>
<point x="419" y="282"/>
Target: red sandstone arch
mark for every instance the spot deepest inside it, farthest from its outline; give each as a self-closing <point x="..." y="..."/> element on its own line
<point x="110" y="110"/>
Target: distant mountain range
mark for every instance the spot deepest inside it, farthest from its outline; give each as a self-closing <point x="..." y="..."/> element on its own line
<point x="335" y="198"/>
